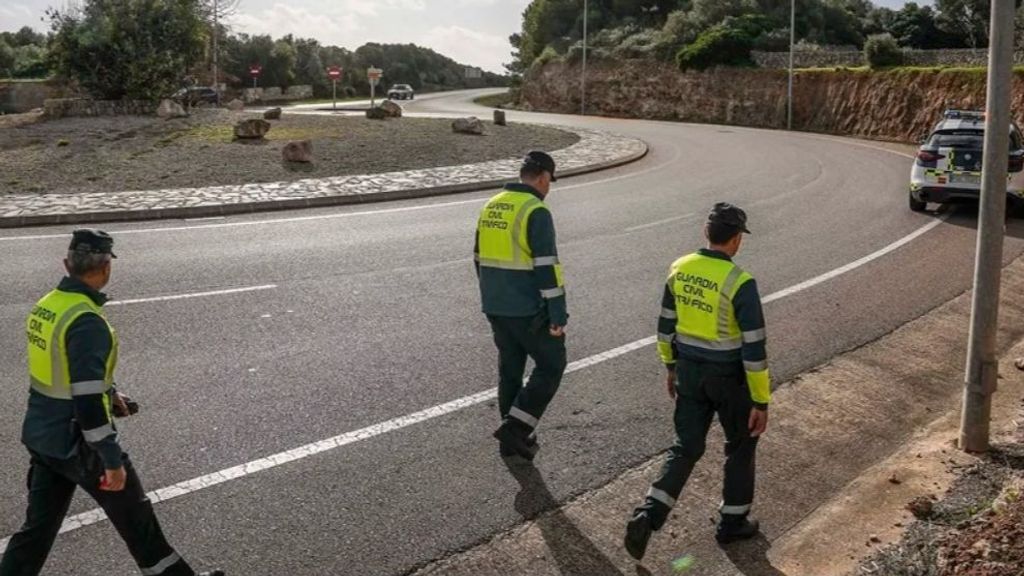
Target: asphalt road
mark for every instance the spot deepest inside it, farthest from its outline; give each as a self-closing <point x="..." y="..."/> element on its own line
<point x="371" y="313"/>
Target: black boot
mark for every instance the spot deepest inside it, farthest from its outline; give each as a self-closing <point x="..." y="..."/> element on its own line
<point x="211" y="573"/>
<point x="513" y="438"/>
<point x="638" y="534"/>
<point x="531" y="441"/>
<point x="734" y="527"/>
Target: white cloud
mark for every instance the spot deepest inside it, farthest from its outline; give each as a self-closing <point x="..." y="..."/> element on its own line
<point x="487" y="51"/>
<point x="281" y="19"/>
<point x="15" y="15"/>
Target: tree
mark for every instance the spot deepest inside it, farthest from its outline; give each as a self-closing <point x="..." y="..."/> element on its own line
<point x="138" y="49"/>
<point x="6" y="60"/>
<point x="967" y="19"/>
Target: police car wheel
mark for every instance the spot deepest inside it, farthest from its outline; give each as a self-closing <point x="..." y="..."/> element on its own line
<point x="916" y="205"/>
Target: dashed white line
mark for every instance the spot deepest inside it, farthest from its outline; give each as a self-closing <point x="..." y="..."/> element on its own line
<point x="191" y="295"/>
<point x="189" y="486"/>
<point x="659" y="222"/>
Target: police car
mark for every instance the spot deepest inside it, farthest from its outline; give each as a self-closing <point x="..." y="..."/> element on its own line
<point x="948" y="164"/>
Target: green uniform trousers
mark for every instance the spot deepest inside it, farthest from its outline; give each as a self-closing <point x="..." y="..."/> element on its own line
<point x="704" y="389"/>
<point x="52" y="483"/>
<point x="518" y="339"/>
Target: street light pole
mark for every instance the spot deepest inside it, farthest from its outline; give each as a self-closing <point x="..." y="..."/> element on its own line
<point x="583" y="74"/>
<point x="982" y="372"/>
<point x="792" y="45"/>
<point x="216" y="83"/>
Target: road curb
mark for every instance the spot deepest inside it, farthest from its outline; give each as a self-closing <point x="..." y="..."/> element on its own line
<point x="210" y="210"/>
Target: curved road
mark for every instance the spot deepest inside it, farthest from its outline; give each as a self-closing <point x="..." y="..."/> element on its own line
<point x="357" y="316"/>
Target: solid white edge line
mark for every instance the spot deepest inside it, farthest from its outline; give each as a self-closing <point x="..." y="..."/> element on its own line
<point x="191" y="295"/>
<point x="187" y="487"/>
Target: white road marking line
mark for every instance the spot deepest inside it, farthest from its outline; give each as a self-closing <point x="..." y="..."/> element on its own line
<point x="857" y="263"/>
<point x="189" y="486"/>
<point x="191" y="295"/>
<point x="658" y="222"/>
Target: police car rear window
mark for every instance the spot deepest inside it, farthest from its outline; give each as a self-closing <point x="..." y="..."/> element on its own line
<point x="958" y="139"/>
<point x="969" y="139"/>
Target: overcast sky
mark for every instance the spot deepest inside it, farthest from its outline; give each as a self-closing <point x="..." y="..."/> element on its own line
<point x="470" y="31"/>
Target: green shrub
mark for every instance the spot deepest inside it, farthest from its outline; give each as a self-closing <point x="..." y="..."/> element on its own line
<point x="882" y="51"/>
<point x="719" y="45"/>
<point x="548" y="55"/>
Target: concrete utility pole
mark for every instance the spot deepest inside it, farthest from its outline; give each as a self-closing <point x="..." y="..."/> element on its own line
<point x="792" y="47"/>
<point x="216" y="33"/>
<point x="982" y="364"/>
<point x="583" y="74"/>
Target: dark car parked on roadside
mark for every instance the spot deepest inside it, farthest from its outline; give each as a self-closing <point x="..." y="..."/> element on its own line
<point x="196" y="95"/>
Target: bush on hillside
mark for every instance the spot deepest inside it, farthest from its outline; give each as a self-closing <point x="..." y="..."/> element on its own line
<point x="882" y="51"/>
<point x="718" y="46"/>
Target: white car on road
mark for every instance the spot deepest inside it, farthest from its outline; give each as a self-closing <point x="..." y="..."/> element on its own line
<point x="948" y="165"/>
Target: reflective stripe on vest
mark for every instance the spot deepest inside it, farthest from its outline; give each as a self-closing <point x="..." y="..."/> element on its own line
<point x="502" y="228"/>
<point x="46" y="330"/>
<point x="704" y="288"/>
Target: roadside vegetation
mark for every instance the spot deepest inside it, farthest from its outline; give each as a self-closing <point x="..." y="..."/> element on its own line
<point x="698" y="34"/>
<point x="495" y="100"/>
<point x="147" y="49"/>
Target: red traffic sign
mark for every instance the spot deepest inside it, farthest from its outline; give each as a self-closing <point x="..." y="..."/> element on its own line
<point x="255" y="70"/>
<point x="334" y="72"/>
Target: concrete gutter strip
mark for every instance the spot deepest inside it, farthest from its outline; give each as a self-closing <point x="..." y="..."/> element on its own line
<point x="594" y="152"/>
<point x="831" y="427"/>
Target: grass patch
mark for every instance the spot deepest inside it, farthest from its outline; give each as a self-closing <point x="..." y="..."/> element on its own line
<point x="328" y="101"/>
<point x="494" y="100"/>
<point x="61" y="143"/>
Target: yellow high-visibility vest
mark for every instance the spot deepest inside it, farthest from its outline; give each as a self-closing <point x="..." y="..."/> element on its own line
<point x="502" y="229"/>
<point x="704" y="288"/>
<point x="46" y="329"/>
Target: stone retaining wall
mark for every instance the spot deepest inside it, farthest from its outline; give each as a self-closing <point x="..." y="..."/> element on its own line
<point x="855" y="58"/>
<point x="276" y="94"/>
<point x="18" y="96"/>
<point x="73" y="107"/>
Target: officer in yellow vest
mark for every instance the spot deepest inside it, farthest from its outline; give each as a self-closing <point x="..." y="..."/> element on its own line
<point x="69" y="427"/>
<point x="523" y="296"/>
<point x="711" y="338"/>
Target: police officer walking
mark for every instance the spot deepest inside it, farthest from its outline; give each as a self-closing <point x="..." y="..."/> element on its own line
<point x="69" y="427"/>
<point x="523" y="296"/>
<point x="711" y="338"/>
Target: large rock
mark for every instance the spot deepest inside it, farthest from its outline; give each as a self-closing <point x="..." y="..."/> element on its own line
<point x="391" y="109"/>
<point x="170" y="109"/>
<point x="471" y="125"/>
<point x="499" y="118"/>
<point x="272" y="114"/>
<point x="236" y="105"/>
<point x="301" y="151"/>
<point x="376" y="113"/>
<point x="252" y="129"/>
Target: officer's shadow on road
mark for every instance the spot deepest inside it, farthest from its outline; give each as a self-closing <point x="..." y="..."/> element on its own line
<point x="573" y="552"/>
<point x="750" y="557"/>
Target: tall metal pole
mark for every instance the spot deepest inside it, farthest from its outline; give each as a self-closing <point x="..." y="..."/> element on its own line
<point x="982" y="365"/>
<point x="583" y="74"/>
<point x="792" y="46"/>
<point x="216" y="33"/>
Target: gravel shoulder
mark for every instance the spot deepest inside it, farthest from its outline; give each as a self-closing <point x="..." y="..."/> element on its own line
<point x="976" y="528"/>
<point x="77" y="155"/>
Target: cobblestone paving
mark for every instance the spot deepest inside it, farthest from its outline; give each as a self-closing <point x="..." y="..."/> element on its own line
<point x="595" y="149"/>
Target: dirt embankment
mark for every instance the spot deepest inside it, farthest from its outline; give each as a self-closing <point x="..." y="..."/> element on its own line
<point x="899" y="105"/>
